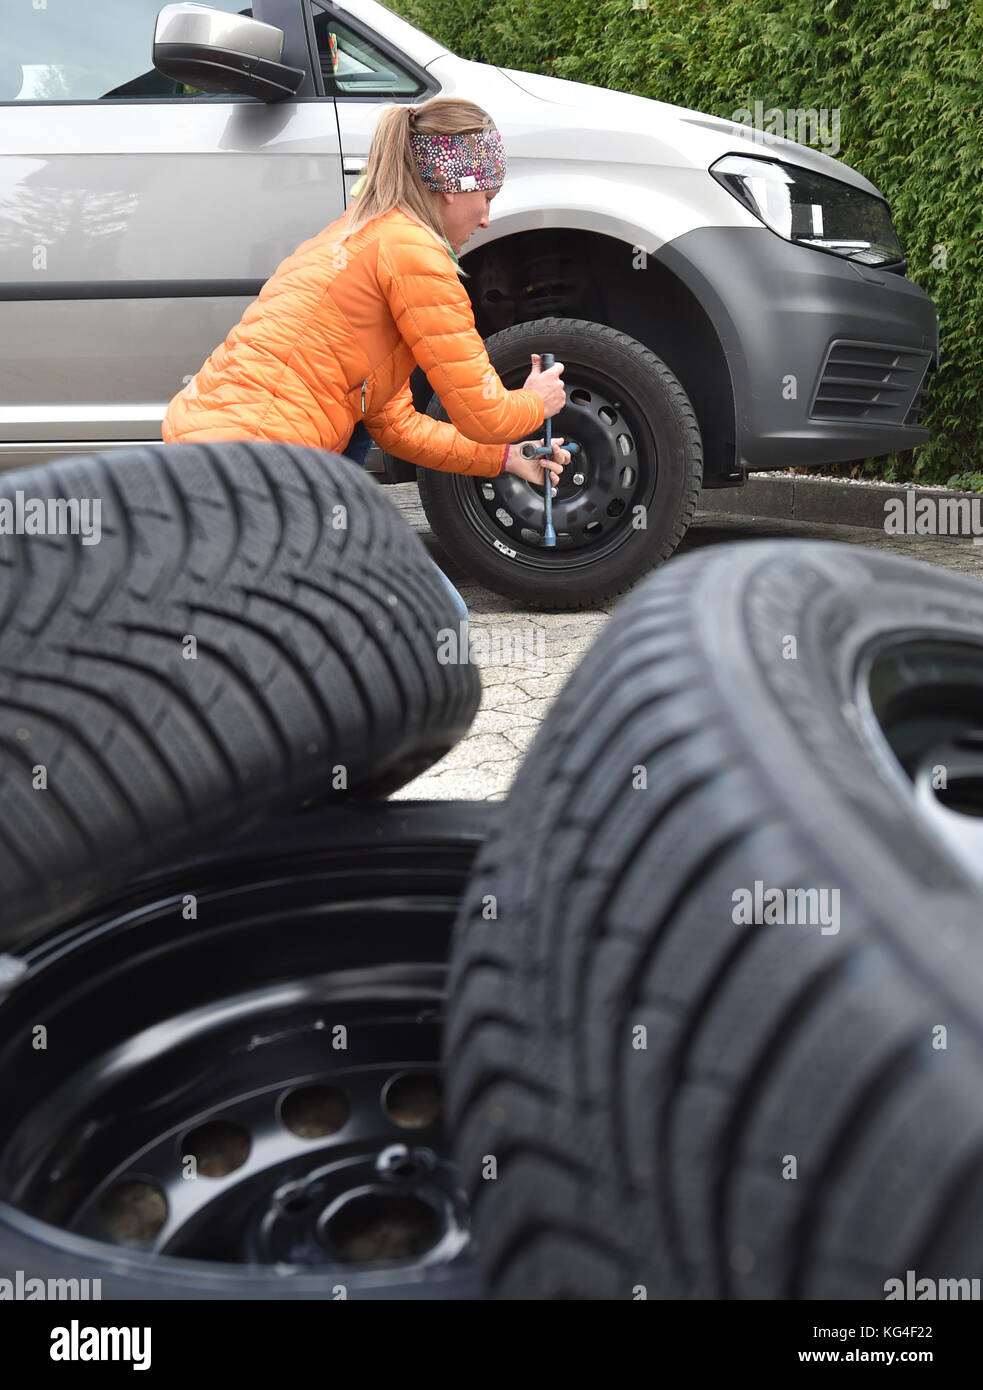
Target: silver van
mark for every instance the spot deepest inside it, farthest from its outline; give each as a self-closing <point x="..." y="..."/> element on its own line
<point x="724" y="299"/>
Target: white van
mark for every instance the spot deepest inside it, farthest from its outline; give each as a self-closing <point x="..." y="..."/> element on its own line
<point x="738" y="301"/>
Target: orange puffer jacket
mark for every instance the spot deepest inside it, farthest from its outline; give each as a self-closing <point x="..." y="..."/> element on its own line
<point x="332" y="339"/>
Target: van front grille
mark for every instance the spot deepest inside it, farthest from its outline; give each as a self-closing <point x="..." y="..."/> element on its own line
<point x="873" y="382"/>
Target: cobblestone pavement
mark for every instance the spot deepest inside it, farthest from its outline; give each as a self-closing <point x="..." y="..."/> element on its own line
<point x="525" y="657"/>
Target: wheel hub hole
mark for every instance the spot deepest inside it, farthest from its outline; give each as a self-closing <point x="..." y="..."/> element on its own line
<point x="313" y="1112"/>
<point x="133" y="1212"/>
<point x="373" y="1226"/>
<point x="218" y="1148"/>
<point x="413" y="1100"/>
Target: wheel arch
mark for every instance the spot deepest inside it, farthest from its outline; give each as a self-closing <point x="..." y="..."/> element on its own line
<point x="573" y="273"/>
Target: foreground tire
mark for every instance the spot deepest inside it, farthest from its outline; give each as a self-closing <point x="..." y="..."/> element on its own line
<point x="255" y="626"/>
<point x="246" y="1103"/>
<point x="641" y="461"/>
<point x="689" y="1091"/>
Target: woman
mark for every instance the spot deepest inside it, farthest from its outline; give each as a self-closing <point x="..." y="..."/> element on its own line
<point x="335" y="333"/>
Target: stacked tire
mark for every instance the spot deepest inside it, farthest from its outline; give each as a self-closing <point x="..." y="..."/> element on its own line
<point x="224" y="953"/>
<point x="712" y="1012"/>
<point x="253" y="626"/>
<point x="662" y="1082"/>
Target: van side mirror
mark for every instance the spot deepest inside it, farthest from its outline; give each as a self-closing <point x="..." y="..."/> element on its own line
<point x="219" y="52"/>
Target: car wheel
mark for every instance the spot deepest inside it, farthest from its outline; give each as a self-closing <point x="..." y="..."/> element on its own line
<point x="626" y="500"/>
<point x="716" y="981"/>
<point x="236" y="1091"/>
<point x="252" y="626"/>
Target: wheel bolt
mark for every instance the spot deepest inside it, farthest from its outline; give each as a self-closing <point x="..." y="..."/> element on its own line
<point x="579" y="480"/>
<point x="393" y="1158"/>
<point x="400" y="1161"/>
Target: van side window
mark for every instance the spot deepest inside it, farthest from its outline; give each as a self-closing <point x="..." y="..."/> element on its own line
<point x="352" y="66"/>
<point x="88" y="50"/>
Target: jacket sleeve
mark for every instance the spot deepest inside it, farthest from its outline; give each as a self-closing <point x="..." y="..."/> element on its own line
<point x="400" y="429"/>
<point x="433" y="313"/>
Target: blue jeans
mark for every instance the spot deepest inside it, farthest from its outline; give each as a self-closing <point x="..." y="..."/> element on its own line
<point x="358" y="448"/>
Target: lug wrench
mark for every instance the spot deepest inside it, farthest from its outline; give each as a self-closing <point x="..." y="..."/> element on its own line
<point x="529" y="450"/>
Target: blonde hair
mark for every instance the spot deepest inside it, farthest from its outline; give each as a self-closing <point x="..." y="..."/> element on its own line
<point x="392" y="177"/>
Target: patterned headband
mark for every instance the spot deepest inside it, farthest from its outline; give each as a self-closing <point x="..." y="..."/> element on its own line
<point x="459" y="163"/>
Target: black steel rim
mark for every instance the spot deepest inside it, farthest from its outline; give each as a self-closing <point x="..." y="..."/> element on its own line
<point x="213" y="1117"/>
<point x="619" y="464"/>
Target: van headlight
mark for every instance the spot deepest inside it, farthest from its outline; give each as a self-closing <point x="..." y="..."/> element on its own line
<point x="811" y="209"/>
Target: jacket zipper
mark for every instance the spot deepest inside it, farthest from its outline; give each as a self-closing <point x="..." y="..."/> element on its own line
<point x="364" y="384"/>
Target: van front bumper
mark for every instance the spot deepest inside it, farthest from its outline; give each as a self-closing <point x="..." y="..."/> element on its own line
<point x="828" y="359"/>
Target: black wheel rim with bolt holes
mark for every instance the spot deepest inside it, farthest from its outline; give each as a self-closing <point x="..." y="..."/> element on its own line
<point x="921" y="703"/>
<point x="617" y="461"/>
<point x="253" y="1094"/>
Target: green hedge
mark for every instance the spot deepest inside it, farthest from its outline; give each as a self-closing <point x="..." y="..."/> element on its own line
<point x="905" y="79"/>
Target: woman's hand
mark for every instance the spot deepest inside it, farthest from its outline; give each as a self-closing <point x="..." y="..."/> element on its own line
<point x="533" y="470"/>
<point x="548" y="384"/>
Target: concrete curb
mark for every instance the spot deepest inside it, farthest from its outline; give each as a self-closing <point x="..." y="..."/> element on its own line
<point x="829" y="500"/>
